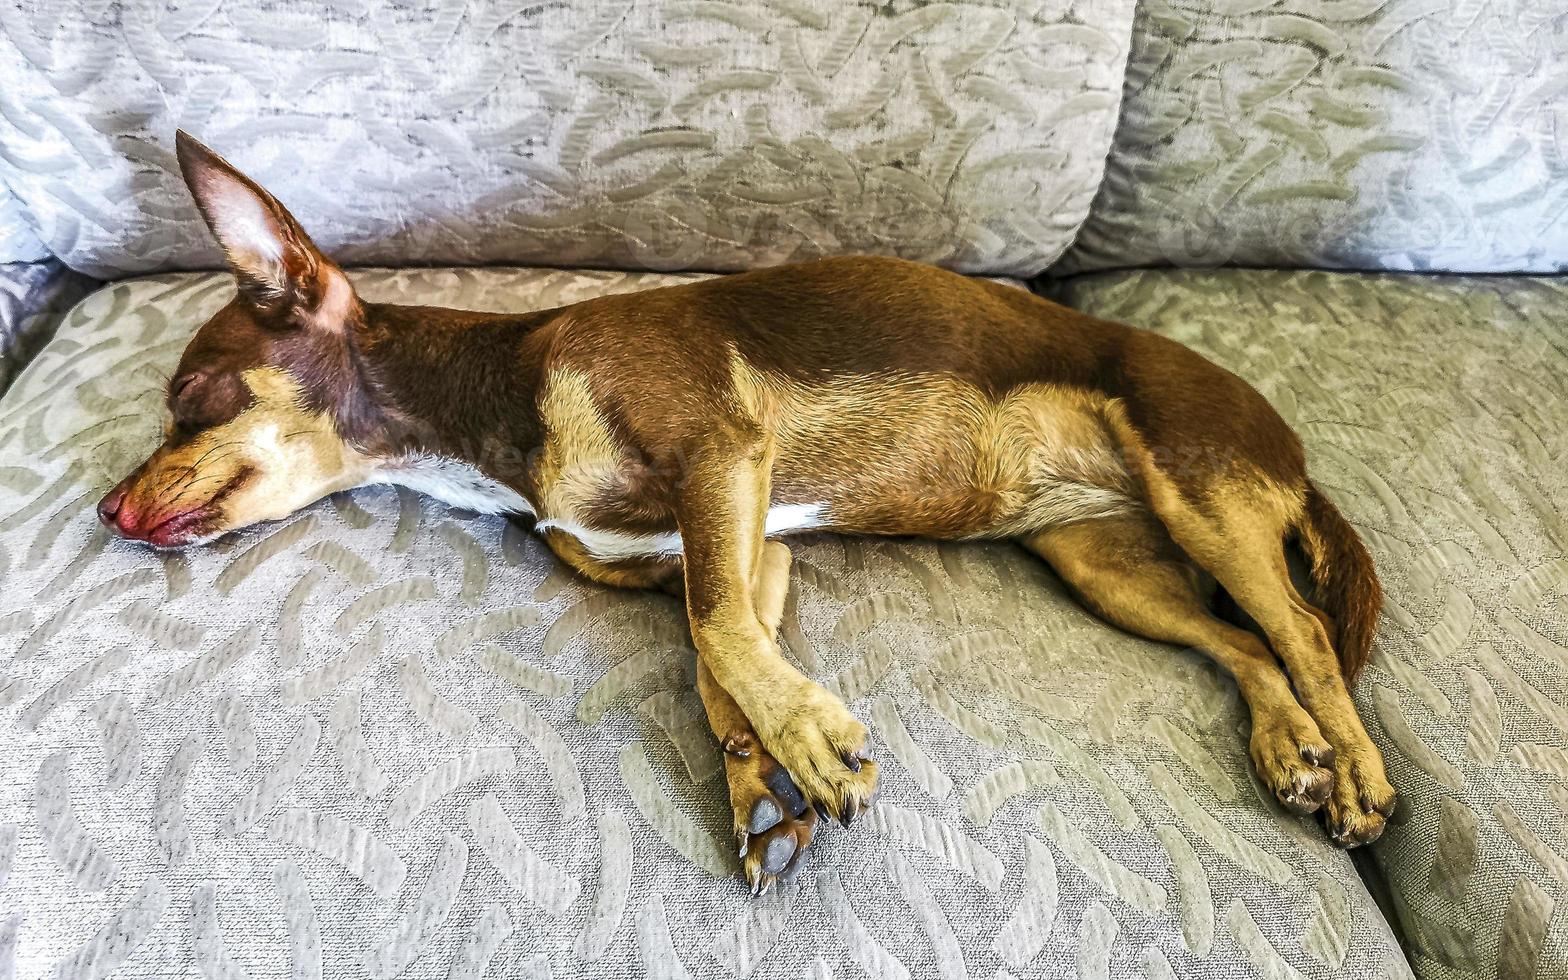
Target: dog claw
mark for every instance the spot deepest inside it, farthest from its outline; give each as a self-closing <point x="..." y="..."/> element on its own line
<point x="1386" y="808"/>
<point x="1318" y="755"/>
<point x="851" y="761"/>
<point x="739" y="745"/>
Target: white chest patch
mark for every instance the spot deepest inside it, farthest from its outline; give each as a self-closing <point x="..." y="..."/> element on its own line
<point x="454" y="482"/>
<point x="610" y="545"/>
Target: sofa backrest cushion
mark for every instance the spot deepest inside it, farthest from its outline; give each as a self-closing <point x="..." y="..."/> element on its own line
<point x="668" y="134"/>
<point x="1364" y="134"/>
<point x="17" y="241"/>
<point x="34" y="298"/>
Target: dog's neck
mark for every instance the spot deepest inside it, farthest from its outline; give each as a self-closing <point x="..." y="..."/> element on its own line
<point x="453" y="385"/>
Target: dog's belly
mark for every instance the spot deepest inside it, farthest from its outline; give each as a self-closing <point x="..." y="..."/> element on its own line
<point x="940" y="459"/>
<point x="955" y="467"/>
<point x="606" y="544"/>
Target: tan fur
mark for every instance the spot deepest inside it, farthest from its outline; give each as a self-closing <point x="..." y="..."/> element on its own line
<point x="810" y="732"/>
<point x="773" y="823"/>
<point x="1063" y="470"/>
<point x="274" y="458"/>
<point x="1129" y="572"/>
<point x="772" y="589"/>
<point x="932" y="455"/>
<point x="581" y="458"/>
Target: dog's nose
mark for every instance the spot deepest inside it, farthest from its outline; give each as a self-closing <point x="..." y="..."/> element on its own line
<point x="110" y="506"/>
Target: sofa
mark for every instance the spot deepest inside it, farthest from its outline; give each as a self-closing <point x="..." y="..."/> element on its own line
<point x="388" y="738"/>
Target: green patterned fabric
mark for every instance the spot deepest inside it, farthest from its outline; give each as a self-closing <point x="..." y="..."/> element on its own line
<point x="386" y="738"/>
<point x="1359" y="134"/>
<point x="1435" y="410"/>
<point x="653" y="135"/>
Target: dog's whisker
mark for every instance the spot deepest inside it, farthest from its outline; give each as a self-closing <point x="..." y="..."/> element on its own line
<point x="200" y="460"/>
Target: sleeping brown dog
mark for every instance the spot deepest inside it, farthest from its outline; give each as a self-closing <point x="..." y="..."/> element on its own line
<point x="664" y="438"/>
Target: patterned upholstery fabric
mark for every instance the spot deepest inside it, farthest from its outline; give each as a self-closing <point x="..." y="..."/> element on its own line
<point x="385" y="738"/>
<point x="17" y="241"/>
<point x="655" y="135"/>
<point x="34" y="297"/>
<point x="1363" y="134"/>
<point x="1433" y="409"/>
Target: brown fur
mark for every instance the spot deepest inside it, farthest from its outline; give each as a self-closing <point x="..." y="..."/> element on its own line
<point x="1346" y="581"/>
<point x="876" y="395"/>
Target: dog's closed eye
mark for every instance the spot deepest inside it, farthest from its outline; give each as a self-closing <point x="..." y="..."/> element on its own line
<point x="185" y="404"/>
<point x="182" y="385"/>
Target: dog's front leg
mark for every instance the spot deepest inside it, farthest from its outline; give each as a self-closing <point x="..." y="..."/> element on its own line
<point x="721" y="511"/>
<point x="774" y="825"/>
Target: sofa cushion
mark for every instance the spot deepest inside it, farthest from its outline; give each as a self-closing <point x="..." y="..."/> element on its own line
<point x="17" y="241"/>
<point x="1433" y="410"/>
<point x="650" y="136"/>
<point x="389" y="738"/>
<point x="34" y="298"/>
<point x="1352" y="134"/>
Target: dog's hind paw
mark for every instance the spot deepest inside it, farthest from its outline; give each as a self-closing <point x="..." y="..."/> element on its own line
<point x="1357" y="811"/>
<point x="774" y="825"/>
<point x="1294" y="762"/>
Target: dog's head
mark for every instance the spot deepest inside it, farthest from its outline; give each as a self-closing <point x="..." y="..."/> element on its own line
<point x="264" y="406"/>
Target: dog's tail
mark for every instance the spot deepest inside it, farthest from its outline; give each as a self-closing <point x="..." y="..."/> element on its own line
<point x="1346" y="580"/>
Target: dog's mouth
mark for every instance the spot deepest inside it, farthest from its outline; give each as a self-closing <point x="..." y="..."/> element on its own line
<point x="183" y="528"/>
<point x="194" y="525"/>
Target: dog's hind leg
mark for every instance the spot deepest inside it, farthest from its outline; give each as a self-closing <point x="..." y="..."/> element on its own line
<point x="1246" y="555"/>
<point x="1236" y="530"/>
<point x="735" y="586"/>
<point x="1127" y="571"/>
<point x="1228" y="478"/>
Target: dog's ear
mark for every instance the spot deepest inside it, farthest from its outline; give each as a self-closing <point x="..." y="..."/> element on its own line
<point x="277" y="266"/>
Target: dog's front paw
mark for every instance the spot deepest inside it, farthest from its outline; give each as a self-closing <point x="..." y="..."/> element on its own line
<point x="823" y="746"/>
<point x="774" y="825"/>
<point x="1293" y="760"/>
<point x="1358" y="810"/>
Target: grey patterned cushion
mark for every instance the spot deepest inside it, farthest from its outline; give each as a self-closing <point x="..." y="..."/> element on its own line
<point x="17" y="241"/>
<point x="1356" y="134"/>
<point x="665" y="134"/>
<point x="1436" y="410"/>
<point x="387" y="738"/>
<point x="34" y="297"/>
